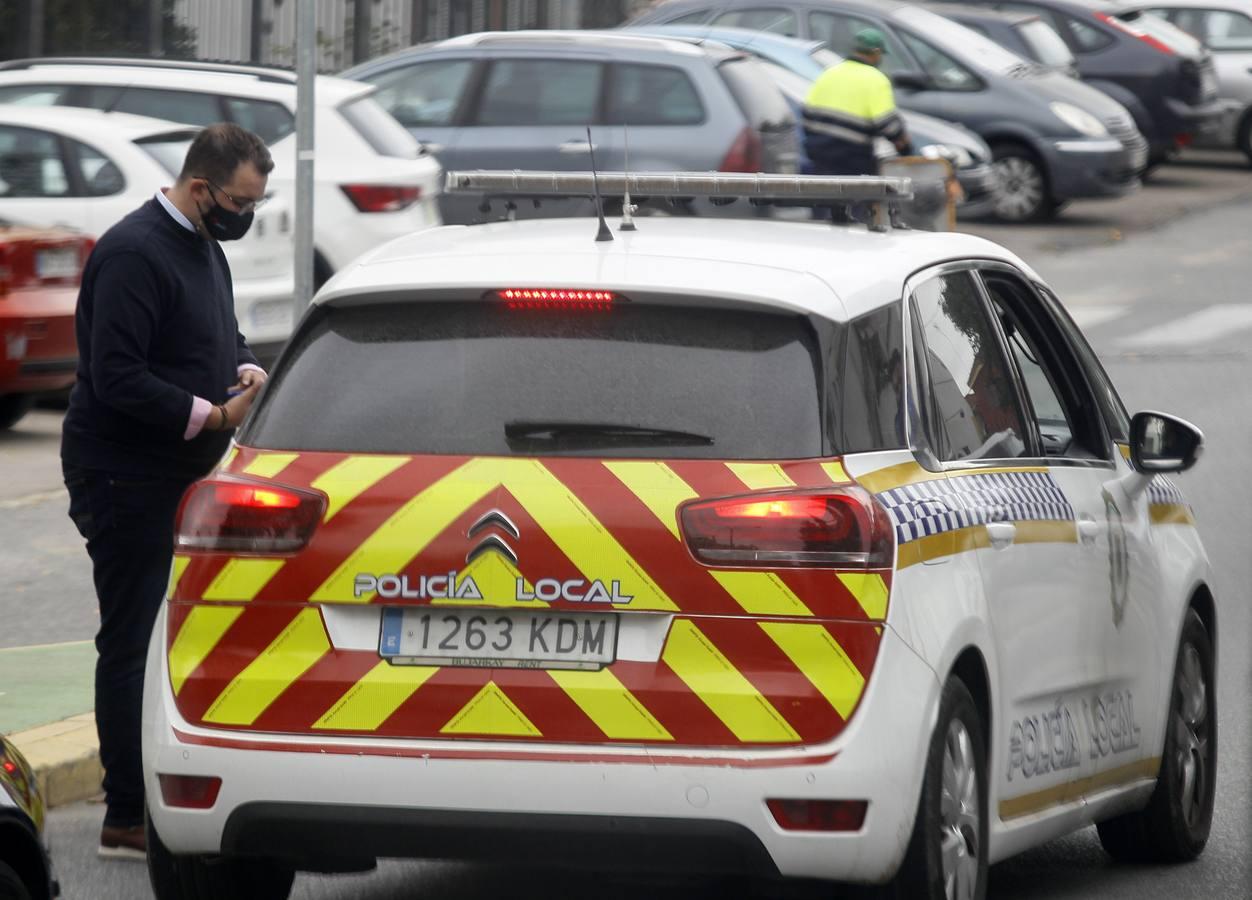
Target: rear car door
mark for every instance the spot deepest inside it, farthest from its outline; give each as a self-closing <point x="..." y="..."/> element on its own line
<point x="1021" y="524"/>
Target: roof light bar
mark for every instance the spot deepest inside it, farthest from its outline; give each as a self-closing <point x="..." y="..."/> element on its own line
<point x="811" y="188"/>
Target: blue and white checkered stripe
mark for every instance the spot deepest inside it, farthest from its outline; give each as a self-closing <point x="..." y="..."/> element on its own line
<point x="963" y="501"/>
<point x="1163" y="491"/>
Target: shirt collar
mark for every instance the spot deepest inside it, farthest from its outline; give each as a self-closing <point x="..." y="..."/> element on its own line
<point x="174" y="212"/>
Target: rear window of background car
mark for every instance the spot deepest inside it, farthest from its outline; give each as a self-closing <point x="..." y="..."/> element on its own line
<point x="760" y="101"/>
<point x="447" y="377"/>
<point x="384" y="134"/>
<point x="653" y="95"/>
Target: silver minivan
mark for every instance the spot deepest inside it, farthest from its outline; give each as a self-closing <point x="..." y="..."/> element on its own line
<point x="524" y="100"/>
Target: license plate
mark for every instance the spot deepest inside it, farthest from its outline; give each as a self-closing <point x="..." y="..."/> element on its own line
<point x="60" y="263"/>
<point x="498" y="639"/>
<point x="271" y="312"/>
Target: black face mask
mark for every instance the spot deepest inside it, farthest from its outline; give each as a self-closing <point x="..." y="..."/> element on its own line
<point x="224" y="224"/>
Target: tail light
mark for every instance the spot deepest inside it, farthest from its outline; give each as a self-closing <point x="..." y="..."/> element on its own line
<point x="227" y="514"/>
<point x="375" y="198"/>
<point x="746" y="153"/>
<point x="840" y="528"/>
<point x="189" y="791"/>
<point x="1131" y="30"/>
<point x="819" y="815"/>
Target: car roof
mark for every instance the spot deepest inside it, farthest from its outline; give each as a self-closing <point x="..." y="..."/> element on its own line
<point x="734" y="37"/>
<point x="980" y="13"/>
<point x="247" y="82"/>
<point x="90" y="123"/>
<point x="791" y="265"/>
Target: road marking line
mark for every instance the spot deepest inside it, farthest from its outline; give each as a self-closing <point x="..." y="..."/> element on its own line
<point x="1212" y="322"/>
<point x="46" y="646"/>
<point x="32" y="499"/>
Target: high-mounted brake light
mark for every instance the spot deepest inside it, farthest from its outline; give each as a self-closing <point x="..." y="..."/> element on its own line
<point x="1131" y="30"/>
<point x="227" y="514"/>
<point x="373" y="198"/>
<point x="839" y="528"/>
<point x="556" y="298"/>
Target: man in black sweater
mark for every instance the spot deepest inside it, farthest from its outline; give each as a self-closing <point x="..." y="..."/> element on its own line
<point x="164" y="377"/>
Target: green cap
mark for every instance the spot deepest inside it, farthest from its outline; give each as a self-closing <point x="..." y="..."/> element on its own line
<point x="868" y="40"/>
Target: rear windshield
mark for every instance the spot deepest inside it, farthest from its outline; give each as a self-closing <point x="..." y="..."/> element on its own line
<point x="168" y="151"/>
<point x="382" y="132"/>
<point x="756" y="95"/>
<point x="1045" y="44"/>
<point x="478" y="378"/>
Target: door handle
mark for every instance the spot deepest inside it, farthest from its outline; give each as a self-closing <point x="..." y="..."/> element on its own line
<point x="1088" y="529"/>
<point x="575" y="147"/>
<point x="1001" y="534"/>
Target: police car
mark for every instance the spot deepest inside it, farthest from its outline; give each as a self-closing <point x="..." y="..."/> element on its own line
<point x="748" y="546"/>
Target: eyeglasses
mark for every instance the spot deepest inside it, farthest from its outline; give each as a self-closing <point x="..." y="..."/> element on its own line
<point x="245" y="204"/>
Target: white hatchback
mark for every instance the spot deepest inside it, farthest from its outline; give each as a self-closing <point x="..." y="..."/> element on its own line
<point x="372" y="180"/>
<point x="84" y="169"/>
<point x="761" y="547"/>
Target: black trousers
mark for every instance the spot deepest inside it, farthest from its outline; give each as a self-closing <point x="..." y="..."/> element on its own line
<point x="129" y="526"/>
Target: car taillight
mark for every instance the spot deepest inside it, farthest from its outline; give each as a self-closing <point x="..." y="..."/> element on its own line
<point x="1129" y="29"/>
<point x="373" y="198"/>
<point x="189" y="791"/>
<point x="556" y="298"/>
<point x="819" y="815"/>
<point x="227" y="514"/>
<point x="745" y="154"/>
<point x="839" y="528"/>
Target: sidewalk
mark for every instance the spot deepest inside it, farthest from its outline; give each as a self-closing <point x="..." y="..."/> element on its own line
<point x="46" y="697"/>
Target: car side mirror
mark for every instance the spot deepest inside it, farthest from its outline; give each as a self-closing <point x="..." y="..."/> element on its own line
<point x="1163" y="443"/>
<point x="911" y="81"/>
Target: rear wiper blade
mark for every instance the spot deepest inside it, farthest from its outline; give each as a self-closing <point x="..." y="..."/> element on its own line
<point x="600" y="432"/>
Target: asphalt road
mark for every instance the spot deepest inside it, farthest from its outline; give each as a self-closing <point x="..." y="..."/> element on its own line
<point x="1160" y="282"/>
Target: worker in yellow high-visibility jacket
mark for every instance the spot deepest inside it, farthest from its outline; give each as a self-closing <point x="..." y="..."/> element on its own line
<point x="849" y="105"/>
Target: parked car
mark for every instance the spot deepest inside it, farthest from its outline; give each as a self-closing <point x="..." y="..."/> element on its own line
<point x="1053" y="138"/>
<point x="793" y="64"/>
<point x="25" y="869"/>
<point x="1027" y="34"/>
<point x="523" y="100"/>
<point x="39" y="274"/>
<point x="372" y="182"/>
<point x="1225" y="27"/>
<point x="1161" y="74"/>
<point x="86" y="169"/>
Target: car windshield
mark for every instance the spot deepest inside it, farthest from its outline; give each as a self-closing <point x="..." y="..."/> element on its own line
<point x="1046" y="44"/>
<point x="1155" y="27"/>
<point x="479" y="377"/>
<point x="967" y="45"/>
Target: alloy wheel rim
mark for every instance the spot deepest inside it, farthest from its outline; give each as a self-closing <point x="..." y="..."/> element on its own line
<point x="1020" y="189"/>
<point x="960" y="817"/>
<point x="1191" y="734"/>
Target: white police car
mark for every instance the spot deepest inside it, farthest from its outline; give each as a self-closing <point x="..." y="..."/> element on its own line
<point x="748" y="546"/>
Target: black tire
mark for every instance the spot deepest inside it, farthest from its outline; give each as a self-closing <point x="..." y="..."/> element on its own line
<point x="11" y="886"/>
<point x="1023" y="192"/>
<point x="957" y="746"/>
<point x="1243" y="137"/>
<point x="1174" y="826"/>
<point x="13" y="407"/>
<point x="200" y="877"/>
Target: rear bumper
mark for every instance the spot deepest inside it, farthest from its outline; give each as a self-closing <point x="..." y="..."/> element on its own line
<point x="292" y="796"/>
<point x="264" y="308"/>
<point x="356" y="232"/>
<point x="38" y="350"/>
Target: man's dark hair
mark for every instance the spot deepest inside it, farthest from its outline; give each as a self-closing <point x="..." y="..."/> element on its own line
<point x="220" y="149"/>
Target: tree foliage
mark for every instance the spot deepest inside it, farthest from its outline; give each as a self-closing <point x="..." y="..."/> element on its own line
<point x="80" y="27"/>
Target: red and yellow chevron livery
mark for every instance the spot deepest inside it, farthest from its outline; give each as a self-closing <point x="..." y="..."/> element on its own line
<point x="744" y="656"/>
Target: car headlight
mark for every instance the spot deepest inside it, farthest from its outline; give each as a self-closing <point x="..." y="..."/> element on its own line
<point x="1079" y="119"/>
<point x="958" y="156"/>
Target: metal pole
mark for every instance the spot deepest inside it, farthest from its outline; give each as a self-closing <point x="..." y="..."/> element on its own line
<point x="34" y="29"/>
<point x="361" y="30"/>
<point x="306" y="75"/>
<point x="156" y="23"/>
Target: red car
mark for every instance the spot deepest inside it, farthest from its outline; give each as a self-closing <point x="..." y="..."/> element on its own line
<point x="39" y="275"/>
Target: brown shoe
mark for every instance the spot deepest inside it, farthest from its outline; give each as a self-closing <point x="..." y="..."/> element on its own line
<point x="123" y="843"/>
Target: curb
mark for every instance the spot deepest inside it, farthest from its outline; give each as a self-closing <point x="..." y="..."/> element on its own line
<point x="65" y="757"/>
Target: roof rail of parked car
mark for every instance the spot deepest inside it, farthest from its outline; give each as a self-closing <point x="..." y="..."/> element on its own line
<point x="273" y="74"/>
<point x="882" y="194"/>
<point x="556" y="36"/>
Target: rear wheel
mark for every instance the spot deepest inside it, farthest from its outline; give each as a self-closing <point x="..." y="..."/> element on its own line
<point x="947" y="855"/>
<point x="1175" y="825"/>
<point x="13" y="407"/>
<point x="1022" y="193"/>
<point x="1243" y="137"/>
<point x="204" y="877"/>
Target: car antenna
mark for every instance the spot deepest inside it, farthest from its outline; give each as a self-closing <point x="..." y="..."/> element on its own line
<point x="603" y="234"/>
<point x="628" y="220"/>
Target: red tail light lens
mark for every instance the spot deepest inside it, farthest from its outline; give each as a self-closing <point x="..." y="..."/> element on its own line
<point x="746" y="153"/>
<point x="819" y="815"/>
<point x="1130" y="29"/>
<point x="189" y="791"/>
<point x="841" y="528"/>
<point x="555" y="298"/>
<point x="374" y="198"/>
<point x="236" y="515"/>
